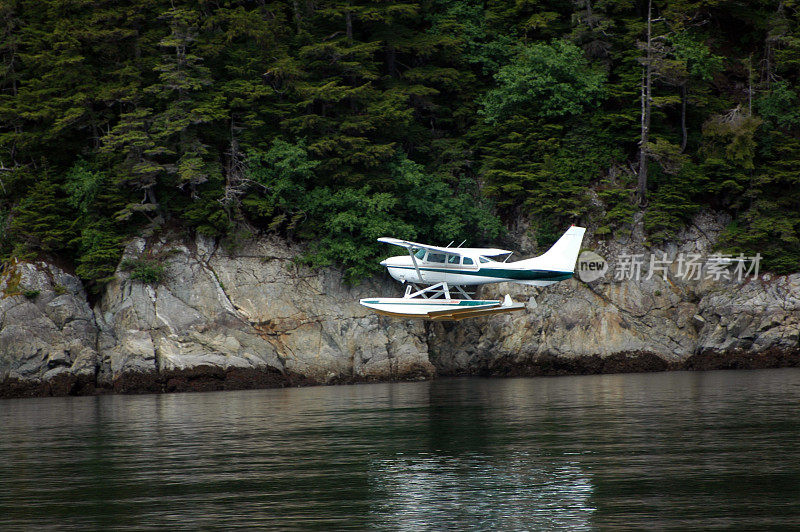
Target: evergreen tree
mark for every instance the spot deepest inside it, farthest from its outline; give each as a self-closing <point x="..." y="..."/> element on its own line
<point x="338" y="120"/>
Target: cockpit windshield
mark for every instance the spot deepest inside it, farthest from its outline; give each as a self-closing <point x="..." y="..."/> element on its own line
<point x="420" y="254"/>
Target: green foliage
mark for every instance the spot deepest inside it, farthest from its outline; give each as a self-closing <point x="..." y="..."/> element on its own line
<point x="673" y="203"/>
<point x="732" y="137"/>
<point x="60" y="289"/>
<point x="146" y="270"/>
<point x="336" y="122"/>
<point x="282" y="176"/>
<point x="779" y="106"/>
<point x="41" y="221"/>
<point x="476" y="40"/>
<point x="547" y="80"/>
<point x="546" y="233"/>
<point x="617" y="197"/>
<point x="698" y="58"/>
<point x="205" y="213"/>
<point x="668" y="155"/>
<point x="344" y="224"/>
<point x="546" y="168"/>
<point x="30" y="293"/>
<point x="82" y="185"/>
<point x="770" y="222"/>
<point x="773" y="237"/>
<point x="99" y="250"/>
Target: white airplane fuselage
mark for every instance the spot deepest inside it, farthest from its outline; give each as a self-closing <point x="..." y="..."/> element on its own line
<point x="468" y="270"/>
<point x="473" y="266"/>
<point x="444" y="268"/>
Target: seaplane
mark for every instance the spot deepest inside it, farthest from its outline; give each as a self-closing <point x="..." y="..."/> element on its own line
<point x="437" y="277"/>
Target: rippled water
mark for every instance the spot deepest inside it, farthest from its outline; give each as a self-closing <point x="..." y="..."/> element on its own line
<point x="682" y="450"/>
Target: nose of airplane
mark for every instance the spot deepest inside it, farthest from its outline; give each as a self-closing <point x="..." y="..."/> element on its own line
<point x="384" y="263"/>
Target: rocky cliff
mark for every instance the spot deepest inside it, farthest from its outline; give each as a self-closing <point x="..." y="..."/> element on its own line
<point x="252" y="317"/>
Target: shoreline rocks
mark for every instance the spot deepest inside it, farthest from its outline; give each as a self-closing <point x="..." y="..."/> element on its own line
<point x="48" y="336"/>
<point x="255" y="318"/>
<point x="212" y="378"/>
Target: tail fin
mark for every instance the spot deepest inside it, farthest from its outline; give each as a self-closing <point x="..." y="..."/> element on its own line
<point x="562" y="256"/>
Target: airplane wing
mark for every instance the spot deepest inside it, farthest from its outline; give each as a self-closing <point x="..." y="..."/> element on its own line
<point x="486" y="252"/>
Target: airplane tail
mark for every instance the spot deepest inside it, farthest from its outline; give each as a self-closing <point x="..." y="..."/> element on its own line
<point x="562" y="256"/>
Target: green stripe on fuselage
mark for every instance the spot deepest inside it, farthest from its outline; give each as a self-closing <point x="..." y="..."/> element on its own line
<point x="501" y="273"/>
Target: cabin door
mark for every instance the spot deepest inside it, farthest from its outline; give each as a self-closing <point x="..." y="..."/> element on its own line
<point x="453" y="266"/>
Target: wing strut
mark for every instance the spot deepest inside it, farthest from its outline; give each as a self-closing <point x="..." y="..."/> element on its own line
<point x="416" y="266"/>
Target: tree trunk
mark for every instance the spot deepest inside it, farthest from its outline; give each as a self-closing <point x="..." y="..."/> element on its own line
<point x="647" y="80"/>
<point x="232" y="174"/>
<point x="151" y="195"/>
<point x="296" y="13"/>
<point x="348" y="17"/>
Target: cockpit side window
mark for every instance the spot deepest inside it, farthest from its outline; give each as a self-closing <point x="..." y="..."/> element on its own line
<point x="420" y="254"/>
<point x="484" y="260"/>
<point x="468" y="261"/>
<point x="435" y="257"/>
<point x="452" y="259"/>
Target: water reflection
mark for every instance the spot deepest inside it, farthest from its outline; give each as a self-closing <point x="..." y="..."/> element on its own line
<point x="519" y="492"/>
<point x="463" y="472"/>
<point x="680" y="450"/>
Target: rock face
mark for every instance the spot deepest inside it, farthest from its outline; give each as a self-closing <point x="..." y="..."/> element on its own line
<point x="660" y="321"/>
<point x="253" y="317"/>
<point x="250" y="312"/>
<point x="48" y="336"/>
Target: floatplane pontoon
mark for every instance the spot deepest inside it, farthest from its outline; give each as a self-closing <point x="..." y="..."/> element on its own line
<point x="448" y="270"/>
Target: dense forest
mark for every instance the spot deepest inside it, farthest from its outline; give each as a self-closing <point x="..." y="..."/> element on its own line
<point x="334" y="122"/>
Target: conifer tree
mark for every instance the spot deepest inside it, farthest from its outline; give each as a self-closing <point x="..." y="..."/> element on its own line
<point x="181" y="89"/>
<point x="408" y="116"/>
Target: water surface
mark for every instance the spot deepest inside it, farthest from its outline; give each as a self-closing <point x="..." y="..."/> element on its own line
<point x="665" y="450"/>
